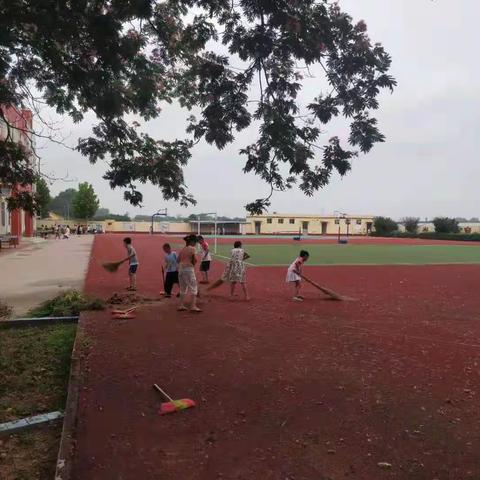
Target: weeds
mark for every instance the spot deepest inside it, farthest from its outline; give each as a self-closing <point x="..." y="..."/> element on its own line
<point x="67" y="304"/>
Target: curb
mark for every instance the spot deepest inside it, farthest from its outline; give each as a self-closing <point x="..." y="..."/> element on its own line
<point x="66" y="449"/>
<point x="16" y="426"/>
<point x="34" y="322"/>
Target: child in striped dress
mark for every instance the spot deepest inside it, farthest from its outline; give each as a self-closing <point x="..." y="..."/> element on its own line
<point x="294" y="274"/>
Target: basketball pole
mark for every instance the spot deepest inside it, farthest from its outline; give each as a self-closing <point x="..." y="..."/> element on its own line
<point x="163" y="212"/>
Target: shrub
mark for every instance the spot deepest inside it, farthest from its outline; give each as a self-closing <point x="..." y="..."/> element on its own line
<point x="411" y="224"/>
<point x="67" y="304"/>
<point x="446" y="225"/>
<point x="384" y="225"/>
<point x="472" y="237"/>
<point x="5" y="311"/>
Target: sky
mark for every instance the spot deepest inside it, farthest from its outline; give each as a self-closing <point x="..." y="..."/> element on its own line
<point x="427" y="167"/>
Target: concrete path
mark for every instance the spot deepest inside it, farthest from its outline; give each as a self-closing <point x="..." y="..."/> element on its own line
<point x="41" y="270"/>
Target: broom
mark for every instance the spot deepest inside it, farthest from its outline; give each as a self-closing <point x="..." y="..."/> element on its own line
<point x="124" y="314"/>
<point x="163" y="280"/>
<point x="215" y="284"/>
<point x="172" y="405"/>
<point x="333" y="295"/>
<point x="112" y="267"/>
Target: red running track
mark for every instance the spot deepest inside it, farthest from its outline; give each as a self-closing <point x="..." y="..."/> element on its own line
<point x="313" y="391"/>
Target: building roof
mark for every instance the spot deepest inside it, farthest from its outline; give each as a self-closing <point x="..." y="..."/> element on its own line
<point x="212" y="222"/>
<point x="308" y="215"/>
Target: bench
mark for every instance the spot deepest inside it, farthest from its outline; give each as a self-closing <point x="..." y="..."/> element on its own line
<point x="10" y="240"/>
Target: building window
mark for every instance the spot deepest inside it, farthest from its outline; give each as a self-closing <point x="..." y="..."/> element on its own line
<point x="3" y="214"/>
<point x="337" y="221"/>
<point x="347" y="221"/>
<point x="269" y="220"/>
<point x="359" y="221"/>
<point x="280" y="220"/>
<point x="292" y="221"/>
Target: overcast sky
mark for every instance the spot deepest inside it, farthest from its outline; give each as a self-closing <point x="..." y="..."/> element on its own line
<point x="428" y="166"/>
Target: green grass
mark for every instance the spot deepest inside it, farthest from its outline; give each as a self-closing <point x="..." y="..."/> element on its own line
<point x="34" y="370"/>
<point x="328" y="254"/>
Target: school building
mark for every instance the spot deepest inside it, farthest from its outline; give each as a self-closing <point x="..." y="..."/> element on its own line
<point x="274" y="224"/>
<point x="16" y="223"/>
<point x="291" y="224"/>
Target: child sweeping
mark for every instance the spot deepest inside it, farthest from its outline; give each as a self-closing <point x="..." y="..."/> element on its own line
<point x="133" y="263"/>
<point x="186" y="274"/>
<point x="235" y="272"/>
<point x="171" y="268"/>
<point x="206" y="258"/>
<point x="294" y="272"/>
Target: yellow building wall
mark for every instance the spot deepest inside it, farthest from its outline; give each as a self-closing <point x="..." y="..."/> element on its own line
<point x="288" y="224"/>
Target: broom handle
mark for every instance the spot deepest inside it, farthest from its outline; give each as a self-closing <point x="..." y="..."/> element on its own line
<point x="316" y="285"/>
<point x="162" y="392"/>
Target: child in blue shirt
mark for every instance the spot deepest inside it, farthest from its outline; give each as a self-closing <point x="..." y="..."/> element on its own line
<point x="171" y="268"/>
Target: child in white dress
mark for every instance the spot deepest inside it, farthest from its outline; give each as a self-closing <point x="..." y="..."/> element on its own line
<point x="235" y="271"/>
<point x="294" y="274"/>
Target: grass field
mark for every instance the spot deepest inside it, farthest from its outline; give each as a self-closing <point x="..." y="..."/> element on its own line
<point x="34" y="371"/>
<point x="332" y="254"/>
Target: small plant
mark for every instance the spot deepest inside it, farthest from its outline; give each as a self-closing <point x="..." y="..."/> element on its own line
<point x="67" y="304"/>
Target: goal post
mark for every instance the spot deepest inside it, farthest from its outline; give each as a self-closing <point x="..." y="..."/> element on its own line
<point x="215" y="229"/>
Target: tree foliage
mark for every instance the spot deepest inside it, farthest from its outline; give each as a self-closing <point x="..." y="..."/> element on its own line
<point x="446" y="225"/>
<point x="411" y="224"/>
<point x="62" y="204"/>
<point x="104" y="214"/>
<point x="43" y="197"/>
<point x="85" y="202"/>
<point x="384" y="225"/>
<point x="122" y="58"/>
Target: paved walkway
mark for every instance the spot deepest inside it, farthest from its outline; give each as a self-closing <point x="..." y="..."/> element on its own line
<point x="41" y="269"/>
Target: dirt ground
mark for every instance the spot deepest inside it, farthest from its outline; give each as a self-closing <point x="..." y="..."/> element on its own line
<point x="30" y="455"/>
<point x="385" y="387"/>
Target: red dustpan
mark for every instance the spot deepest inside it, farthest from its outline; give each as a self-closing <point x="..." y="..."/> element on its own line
<point x="173" y="406"/>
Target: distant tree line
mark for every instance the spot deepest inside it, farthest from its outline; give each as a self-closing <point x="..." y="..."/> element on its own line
<point x="83" y="204"/>
<point x="386" y="226"/>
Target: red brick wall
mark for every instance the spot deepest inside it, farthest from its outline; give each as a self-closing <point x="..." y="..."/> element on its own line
<point x="22" y="121"/>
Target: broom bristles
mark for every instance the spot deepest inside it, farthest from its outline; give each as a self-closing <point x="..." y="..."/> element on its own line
<point x="215" y="285"/>
<point x="176" y="406"/>
<point x="111" y="266"/>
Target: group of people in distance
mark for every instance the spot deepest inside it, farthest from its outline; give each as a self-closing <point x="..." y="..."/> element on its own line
<point x="61" y="231"/>
<point x="180" y="270"/>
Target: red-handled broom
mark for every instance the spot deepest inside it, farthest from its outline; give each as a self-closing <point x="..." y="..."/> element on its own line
<point x="172" y="405"/>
